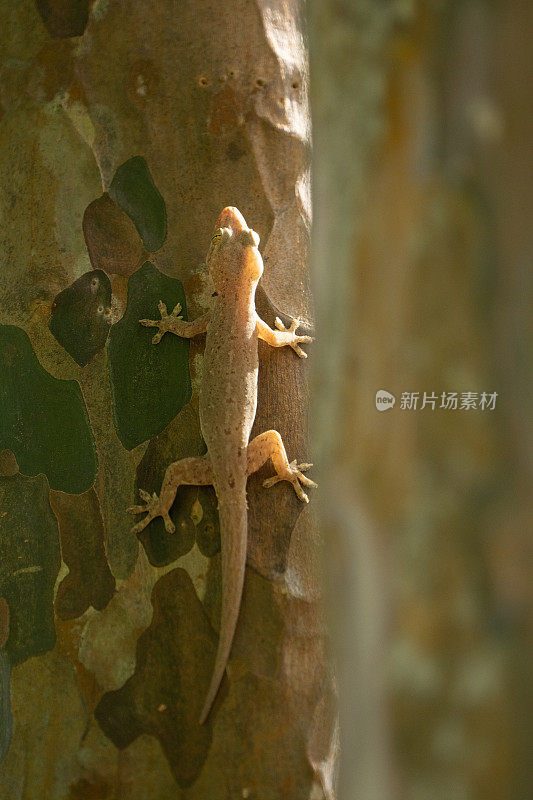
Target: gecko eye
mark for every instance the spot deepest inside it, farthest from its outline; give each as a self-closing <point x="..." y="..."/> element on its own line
<point x="219" y="234"/>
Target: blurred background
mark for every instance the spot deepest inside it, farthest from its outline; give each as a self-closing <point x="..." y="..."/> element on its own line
<point x="423" y="205"/>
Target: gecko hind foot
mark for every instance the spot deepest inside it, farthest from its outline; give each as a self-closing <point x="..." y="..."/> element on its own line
<point x="152" y="509"/>
<point x="294" y="474"/>
<point x="296" y="340"/>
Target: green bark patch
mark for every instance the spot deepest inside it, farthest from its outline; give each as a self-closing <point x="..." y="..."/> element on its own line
<point x="165" y="695"/>
<point x="6" y="717"/>
<point x="194" y="511"/>
<point x="134" y="190"/>
<point x="81" y="530"/>
<point x="63" y="20"/>
<point x="29" y="564"/>
<point x="80" y="318"/>
<point x="44" y="421"/>
<point x="150" y="383"/>
<point x="112" y="240"/>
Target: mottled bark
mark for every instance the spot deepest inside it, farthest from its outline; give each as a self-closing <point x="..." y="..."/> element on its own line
<point x="213" y="96"/>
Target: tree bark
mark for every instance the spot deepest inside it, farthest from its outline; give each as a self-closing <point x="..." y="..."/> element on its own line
<point x="213" y="97"/>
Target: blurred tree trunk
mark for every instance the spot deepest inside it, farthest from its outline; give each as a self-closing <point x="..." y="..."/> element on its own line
<point x="348" y="46"/>
<point x="422" y="116"/>
<point x="104" y="695"/>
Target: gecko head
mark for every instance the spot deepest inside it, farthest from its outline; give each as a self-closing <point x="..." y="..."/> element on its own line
<point x="233" y="257"/>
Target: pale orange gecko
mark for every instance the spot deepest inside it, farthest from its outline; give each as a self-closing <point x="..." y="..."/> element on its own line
<point x="228" y="401"/>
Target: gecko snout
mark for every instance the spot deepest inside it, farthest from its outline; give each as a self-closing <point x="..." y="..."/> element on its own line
<point x="232" y="218"/>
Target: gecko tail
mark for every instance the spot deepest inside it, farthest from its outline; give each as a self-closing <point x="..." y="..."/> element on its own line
<point x="233" y="534"/>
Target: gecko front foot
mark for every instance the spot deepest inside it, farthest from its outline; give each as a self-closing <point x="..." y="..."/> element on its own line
<point x="165" y="324"/>
<point x="293" y="340"/>
<point x="152" y="509"/>
<point x="293" y="474"/>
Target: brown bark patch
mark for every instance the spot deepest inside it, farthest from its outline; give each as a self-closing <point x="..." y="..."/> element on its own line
<point x="226" y="114"/>
<point x="282" y="393"/>
<point x="4" y="622"/>
<point x="52" y="71"/>
<point x="8" y="463"/>
<point x="81" y="531"/>
<point x="112" y="240"/>
<point x="96" y="789"/>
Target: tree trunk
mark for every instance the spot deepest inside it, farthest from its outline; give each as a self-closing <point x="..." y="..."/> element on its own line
<point x="125" y="129"/>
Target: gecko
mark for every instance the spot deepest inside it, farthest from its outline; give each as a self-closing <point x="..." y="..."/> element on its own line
<point x="227" y="405"/>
